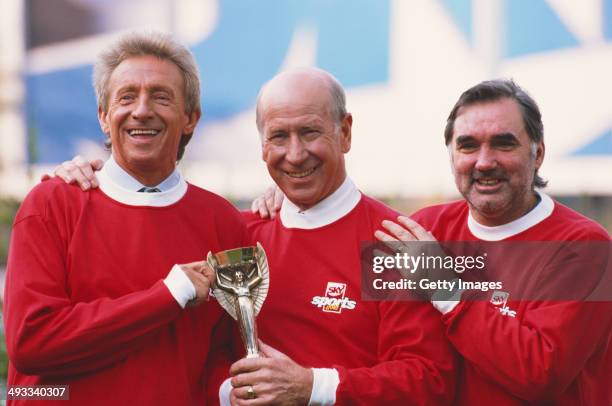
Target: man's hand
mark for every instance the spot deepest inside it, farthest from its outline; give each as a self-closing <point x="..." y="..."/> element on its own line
<point x="78" y="170"/>
<point x="409" y="238"/>
<point x="202" y="276"/>
<point x="276" y="380"/>
<point x="269" y="203"/>
<point x="406" y="230"/>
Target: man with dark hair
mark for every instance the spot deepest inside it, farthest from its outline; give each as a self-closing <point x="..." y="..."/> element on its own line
<point x="493" y="90"/>
<point x="92" y="298"/>
<point x="517" y="351"/>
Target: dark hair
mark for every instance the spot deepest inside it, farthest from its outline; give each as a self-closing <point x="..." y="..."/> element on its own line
<point x="492" y="90"/>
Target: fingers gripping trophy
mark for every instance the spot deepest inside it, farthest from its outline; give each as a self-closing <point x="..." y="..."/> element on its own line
<point x="241" y="287"/>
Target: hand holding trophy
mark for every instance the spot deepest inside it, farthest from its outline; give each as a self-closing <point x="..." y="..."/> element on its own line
<point x="241" y="286"/>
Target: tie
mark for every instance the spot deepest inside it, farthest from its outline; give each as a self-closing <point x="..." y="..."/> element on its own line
<point x="149" y="190"/>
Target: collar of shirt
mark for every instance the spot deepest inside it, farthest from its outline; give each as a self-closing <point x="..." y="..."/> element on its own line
<point x="541" y="211"/>
<point x="122" y="178"/>
<point x="121" y="186"/>
<point x="328" y="210"/>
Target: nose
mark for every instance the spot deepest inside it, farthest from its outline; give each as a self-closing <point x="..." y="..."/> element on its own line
<point x="296" y="150"/>
<point x="486" y="159"/>
<point x="142" y="109"/>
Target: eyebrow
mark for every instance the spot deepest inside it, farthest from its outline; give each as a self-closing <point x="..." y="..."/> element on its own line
<point x="152" y="89"/>
<point x="311" y="127"/>
<point x="161" y="88"/>
<point x="503" y="137"/>
<point x="276" y="129"/>
<point x="314" y="124"/>
<point x="461" y="139"/>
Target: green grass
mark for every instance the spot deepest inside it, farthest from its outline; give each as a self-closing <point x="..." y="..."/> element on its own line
<point x="3" y="354"/>
<point x="8" y="209"/>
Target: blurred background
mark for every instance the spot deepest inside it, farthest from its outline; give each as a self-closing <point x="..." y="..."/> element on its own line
<point x="403" y="63"/>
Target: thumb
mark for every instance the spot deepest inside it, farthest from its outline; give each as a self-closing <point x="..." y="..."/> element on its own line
<point x="279" y="196"/>
<point x="270" y="352"/>
<point x="97" y="164"/>
<point x="208" y="272"/>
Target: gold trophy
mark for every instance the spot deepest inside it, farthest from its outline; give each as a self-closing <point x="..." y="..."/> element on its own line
<point x="241" y="287"/>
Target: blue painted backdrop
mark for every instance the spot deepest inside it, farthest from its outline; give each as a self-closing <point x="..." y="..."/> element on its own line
<point x="250" y="43"/>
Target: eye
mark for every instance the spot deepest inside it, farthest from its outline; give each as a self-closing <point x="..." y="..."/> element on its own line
<point x="467" y="146"/>
<point x="505" y="144"/>
<point x="161" y="97"/>
<point x="310" y="133"/>
<point x="277" y="137"/>
<point x="126" y="98"/>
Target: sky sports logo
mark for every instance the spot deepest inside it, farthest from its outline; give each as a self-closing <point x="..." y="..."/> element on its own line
<point x="334" y="300"/>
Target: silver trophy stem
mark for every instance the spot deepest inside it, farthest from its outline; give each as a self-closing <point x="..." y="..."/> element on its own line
<point x="241" y="286"/>
<point x="248" y="328"/>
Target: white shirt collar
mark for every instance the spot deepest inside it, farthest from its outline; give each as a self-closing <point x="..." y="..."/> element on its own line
<point x="328" y="210"/>
<point x="122" y="178"/>
<point x="541" y="211"/>
<point x="119" y="185"/>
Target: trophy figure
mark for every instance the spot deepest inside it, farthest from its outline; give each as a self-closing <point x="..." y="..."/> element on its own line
<point x="241" y="287"/>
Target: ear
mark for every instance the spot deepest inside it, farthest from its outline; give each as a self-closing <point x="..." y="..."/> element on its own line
<point x="264" y="152"/>
<point x="103" y="120"/>
<point x="262" y="137"/>
<point x="192" y="121"/>
<point x="345" y="132"/>
<point x="540" y="152"/>
<point x="451" y="160"/>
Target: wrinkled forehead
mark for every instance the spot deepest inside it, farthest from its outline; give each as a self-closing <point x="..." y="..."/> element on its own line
<point x="283" y="120"/>
<point x="297" y="108"/>
<point x="147" y="70"/>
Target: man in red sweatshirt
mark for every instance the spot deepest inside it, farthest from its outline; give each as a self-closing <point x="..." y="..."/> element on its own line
<point x="517" y="350"/>
<point x="93" y="298"/>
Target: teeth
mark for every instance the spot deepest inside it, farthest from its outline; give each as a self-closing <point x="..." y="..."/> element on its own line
<point x="488" y="181"/>
<point x="300" y="174"/>
<point x="143" y="132"/>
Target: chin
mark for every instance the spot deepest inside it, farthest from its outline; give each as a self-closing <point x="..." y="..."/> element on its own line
<point x="487" y="204"/>
<point x="492" y="208"/>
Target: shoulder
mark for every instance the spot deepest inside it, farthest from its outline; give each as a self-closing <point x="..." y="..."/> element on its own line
<point x="50" y="196"/>
<point x="250" y="217"/>
<point x="253" y="220"/>
<point x="257" y="226"/>
<point x="430" y="214"/>
<point x="568" y="224"/>
<point x="377" y="207"/>
<point x="210" y="200"/>
<point x="375" y="211"/>
<point x="446" y="221"/>
<point x="212" y="207"/>
<point x="212" y="210"/>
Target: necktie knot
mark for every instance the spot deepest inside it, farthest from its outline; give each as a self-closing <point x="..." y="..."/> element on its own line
<point x="149" y="190"/>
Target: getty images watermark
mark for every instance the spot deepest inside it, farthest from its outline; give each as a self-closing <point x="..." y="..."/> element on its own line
<point x="476" y="270"/>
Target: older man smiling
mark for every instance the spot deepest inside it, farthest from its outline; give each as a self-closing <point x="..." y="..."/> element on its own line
<point x="93" y="297"/>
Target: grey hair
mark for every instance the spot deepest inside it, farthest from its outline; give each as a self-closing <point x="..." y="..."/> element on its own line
<point x="152" y="43"/>
<point x="337" y="96"/>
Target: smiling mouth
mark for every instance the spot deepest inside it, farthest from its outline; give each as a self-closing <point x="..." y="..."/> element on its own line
<point x="148" y="132"/>
<point x="299" y="175"/>
<point x="488" y="181"/>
